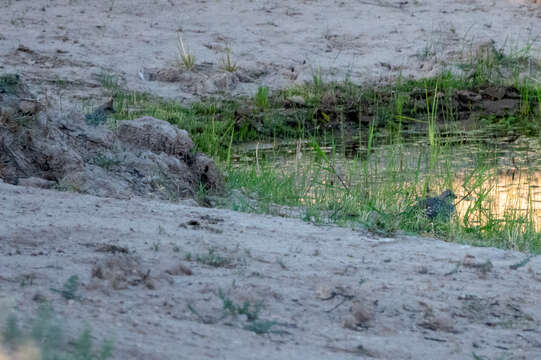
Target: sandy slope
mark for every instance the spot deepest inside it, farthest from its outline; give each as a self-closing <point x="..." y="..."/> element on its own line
<point x="413" y="298"/>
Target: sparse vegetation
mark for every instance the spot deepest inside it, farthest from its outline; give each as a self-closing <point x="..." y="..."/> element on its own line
<point x="186" y="58"/>
<point x="251" y="310"/>
<point x="405" y="148"/>
<point x="105" y="161"/>
<point x="214" y="259"/>
<point x="262" y="97"/>
<point x="247" y="313"/>
<point x="96" y="118"/>
<point x="45" y="340"/>
<point x="9" y="83"/>
<point x="69" y="289"/>
<point x="227" y="63"/>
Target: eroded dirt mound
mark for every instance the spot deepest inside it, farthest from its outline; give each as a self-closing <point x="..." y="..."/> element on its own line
<point x="146" y="157"/>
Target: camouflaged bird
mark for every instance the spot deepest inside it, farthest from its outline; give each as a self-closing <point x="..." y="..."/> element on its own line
<point x="440" y="207"/>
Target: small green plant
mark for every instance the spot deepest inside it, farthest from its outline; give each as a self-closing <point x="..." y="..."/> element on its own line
<point x="161" y="230"/>
<point x="212" y="258"/>
<point x="9" y="83"/>
<point x="186" y="58"/>
<point x="27" y="279"/>
<point x="109" y="81"/>
<point x="228" y="64"/>
<point x="317" y="80"/>
<point x="230" y="309"/>
<point x="96" y="118"/>
<point x="12" y="334"/>
<point x="106" y="162"/>
<point x="251" y="310"/>
<point x="46" y="340"/>
<point x="69" y="289"/>
<point x="261" y="327"/>
<point x="262" y="97"/>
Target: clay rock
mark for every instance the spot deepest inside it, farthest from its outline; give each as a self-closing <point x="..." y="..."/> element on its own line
<point x="296" y="100"/>
<point x="28" y="107"/>
<point x="220" y="82"/>
<point x="143" y="157"/>
<point x="155" y="135"/>
<point x="363" y="312"/>
<point x="207" y="172"/>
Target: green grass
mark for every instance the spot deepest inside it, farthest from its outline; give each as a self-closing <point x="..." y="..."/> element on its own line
<point x="9" y="83"/>
<point x="69" y="289"/>
<point x="186" y="58"/>
<point x="247" y="314"/>
<point x="379" y="190"/>
<point x="390" y="171"/>
<point x="45" y="339"/>
<point x="214" y="259"/>
<point x="405" y="106"/>
<point x="227" y="63"/>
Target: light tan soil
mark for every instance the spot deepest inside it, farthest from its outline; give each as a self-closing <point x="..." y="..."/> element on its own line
<point x="63" y="45"/>
<point x="333" y="292"/>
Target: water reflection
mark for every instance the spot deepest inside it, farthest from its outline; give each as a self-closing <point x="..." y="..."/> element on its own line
<point x="495" y="181"/>
<point x="513" y="194"/>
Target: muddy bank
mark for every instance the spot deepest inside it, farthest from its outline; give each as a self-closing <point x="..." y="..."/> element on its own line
<point x="347" y="107"/>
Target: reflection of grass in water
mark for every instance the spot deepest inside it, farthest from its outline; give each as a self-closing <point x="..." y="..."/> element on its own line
<point x="380" y="189"/>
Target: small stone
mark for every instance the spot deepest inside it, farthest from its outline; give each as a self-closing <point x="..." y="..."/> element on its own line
<point x="325" y="292"/>
<point x="38" y="297"/>
<point x="297" y="100"/>
<point x="150" y="284"/>
<point x="438" y="322"/>
<point x="119" y="283"/>
<point x="350" y="323"/>
<point x="36" y="182"/>
<point x="362" y="313"/>
<point x="180" y="269"/>
<point x="28" y="107"/>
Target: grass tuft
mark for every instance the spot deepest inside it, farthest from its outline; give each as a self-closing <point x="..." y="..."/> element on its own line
<point x="227" y="63"/>
<point x="186" y="58"/>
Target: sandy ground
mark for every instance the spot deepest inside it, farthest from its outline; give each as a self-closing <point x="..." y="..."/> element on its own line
<point x="332" y="292"/>
<point x="62" y="46"/>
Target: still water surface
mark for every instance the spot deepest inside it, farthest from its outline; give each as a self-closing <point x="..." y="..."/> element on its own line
<point x="494" y="179"/>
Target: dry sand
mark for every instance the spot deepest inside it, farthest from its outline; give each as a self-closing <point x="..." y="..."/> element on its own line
<point x="274" y="43"/>
<point x="333" y="292"/>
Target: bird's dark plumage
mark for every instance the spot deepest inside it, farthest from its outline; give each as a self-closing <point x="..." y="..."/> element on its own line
<point x="441" y="206"/>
